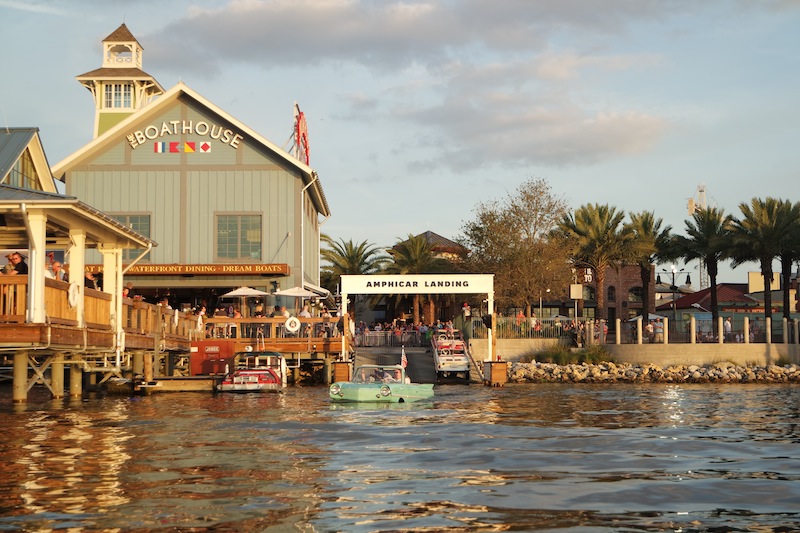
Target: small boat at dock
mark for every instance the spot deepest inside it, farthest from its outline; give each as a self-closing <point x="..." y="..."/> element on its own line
<point x="255" y="372"/>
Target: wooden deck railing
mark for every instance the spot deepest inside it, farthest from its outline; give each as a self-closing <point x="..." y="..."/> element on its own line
<point x="269" y="328"/>
<point x="13" y="298"/>
<point x="138" y="317"/>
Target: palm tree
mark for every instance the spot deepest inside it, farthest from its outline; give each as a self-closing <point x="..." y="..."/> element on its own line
<point x="648" y="243"/>
<point x="414" y="255"/>
<point x="758" y="235"/>
<point x="707" y="239"/>
<point x="598" y="240"/>
<point x="790" y="251"/>
<point x="348" y="258"/>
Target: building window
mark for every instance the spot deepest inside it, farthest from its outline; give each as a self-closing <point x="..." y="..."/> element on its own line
<point x="636" y="294"/>
<point x="239" y="237"/>
<point x="23" y="173"/>
<point x="138" y="223"/>
<point x="118" y="96"/>
<point x="612" y="294"/>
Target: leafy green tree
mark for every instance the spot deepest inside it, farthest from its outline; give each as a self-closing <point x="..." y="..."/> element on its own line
<point x="649" y="242"/>
<point x="513" y="239"/>
<point x="598" y="240"/>
<point x="757" y="236"/>
<point x="707" y="238"/>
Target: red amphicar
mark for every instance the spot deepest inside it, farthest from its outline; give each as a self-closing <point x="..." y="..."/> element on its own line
<point x="255" y="372"/>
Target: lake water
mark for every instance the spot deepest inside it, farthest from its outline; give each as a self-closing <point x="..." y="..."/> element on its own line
<point x="568" y="458"/>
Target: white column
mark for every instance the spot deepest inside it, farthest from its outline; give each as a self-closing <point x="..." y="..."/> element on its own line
<point x="77" y="266"/>
<point x="37" y="225"/>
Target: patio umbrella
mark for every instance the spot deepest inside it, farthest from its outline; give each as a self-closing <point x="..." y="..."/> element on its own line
<point x="243" y="293"/>
<point x="297" y="293"/>
<point x="650" y="316"/>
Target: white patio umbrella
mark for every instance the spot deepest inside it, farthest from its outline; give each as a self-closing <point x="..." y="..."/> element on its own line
<point x="297" y="293"/>
<point x="650" y="316"/>
<point x="244" y="293"/>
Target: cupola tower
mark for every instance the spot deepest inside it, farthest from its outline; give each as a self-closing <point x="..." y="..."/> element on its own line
<point x="120" y="87"/>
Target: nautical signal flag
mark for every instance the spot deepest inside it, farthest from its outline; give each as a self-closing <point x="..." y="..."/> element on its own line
<point x="185" y="147"/>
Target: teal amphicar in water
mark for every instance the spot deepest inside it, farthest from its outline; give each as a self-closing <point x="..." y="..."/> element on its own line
<point x="381" y="384"/>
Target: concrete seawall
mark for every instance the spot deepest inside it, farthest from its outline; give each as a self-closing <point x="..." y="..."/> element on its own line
<point x="662" y="355"/>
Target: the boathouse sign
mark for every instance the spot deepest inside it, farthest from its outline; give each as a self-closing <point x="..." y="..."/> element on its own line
<point x="202" y="269"/>
<point x="200" y="128"/>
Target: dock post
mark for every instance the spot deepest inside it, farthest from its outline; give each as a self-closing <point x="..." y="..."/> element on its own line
<point x="341" y="371"/>
<point x="147" y="366"/>
<point x="326" y="372"/>
<point x="495" y="373"/>
<point x="75" y="380"/>
<point x="57" y="375"/>
<point x="20" y="386"/>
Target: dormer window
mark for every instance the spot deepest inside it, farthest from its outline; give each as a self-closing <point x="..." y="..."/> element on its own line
<point x="119" y="96"/>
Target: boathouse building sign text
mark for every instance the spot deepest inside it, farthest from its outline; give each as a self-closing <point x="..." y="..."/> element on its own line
<point x="185" y="127"/>
<point x="203" y="270"/>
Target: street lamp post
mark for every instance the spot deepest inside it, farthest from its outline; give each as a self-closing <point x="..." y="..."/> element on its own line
<point x="673" y="288"/>
<point x="540" y="303"/>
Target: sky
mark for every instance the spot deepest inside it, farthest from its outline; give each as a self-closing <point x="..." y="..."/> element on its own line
<point x="420" y="110"/>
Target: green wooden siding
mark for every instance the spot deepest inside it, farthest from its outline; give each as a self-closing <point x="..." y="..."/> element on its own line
<point x="184" y="192"/>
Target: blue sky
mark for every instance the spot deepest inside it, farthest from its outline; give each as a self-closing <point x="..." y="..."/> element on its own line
<point x="419" y="110"/>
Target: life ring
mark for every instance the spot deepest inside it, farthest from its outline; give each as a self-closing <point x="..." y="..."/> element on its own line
<point x="292" y="324"/>
<point x="73" y="294"/>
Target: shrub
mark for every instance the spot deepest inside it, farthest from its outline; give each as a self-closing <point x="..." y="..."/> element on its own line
<point x="563" y="355"/>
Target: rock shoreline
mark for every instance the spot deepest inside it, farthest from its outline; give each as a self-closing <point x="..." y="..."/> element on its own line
<point x="723" y="372"/>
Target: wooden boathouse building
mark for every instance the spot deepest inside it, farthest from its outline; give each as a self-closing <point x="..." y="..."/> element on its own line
<point x="228" y="207"/>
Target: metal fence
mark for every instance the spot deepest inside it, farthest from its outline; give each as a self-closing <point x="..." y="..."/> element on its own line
<point x="587" y="331"/>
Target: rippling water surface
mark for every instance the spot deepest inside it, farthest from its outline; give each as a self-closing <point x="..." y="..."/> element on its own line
<point x="522" y="458"/>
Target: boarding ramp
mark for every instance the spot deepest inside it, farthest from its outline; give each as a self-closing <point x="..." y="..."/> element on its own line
<point x="421" y="367"/>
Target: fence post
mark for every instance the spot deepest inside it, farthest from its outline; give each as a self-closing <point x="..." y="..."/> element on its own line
<point x="785" y="330"/>
<point x="746" y="327"/>
<point x="768" y="328"/>
<point x="692" y="330"/>
<point x="638" y="330"/>
<point x="618" y="332"/>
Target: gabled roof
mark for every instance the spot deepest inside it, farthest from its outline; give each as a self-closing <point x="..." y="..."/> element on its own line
<point x="63" y="212"/>
<point x="726" y="293"/>
<point x="439" y="243"/>
<point x="13" y="142"/>
<point x="309" y="175"/>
